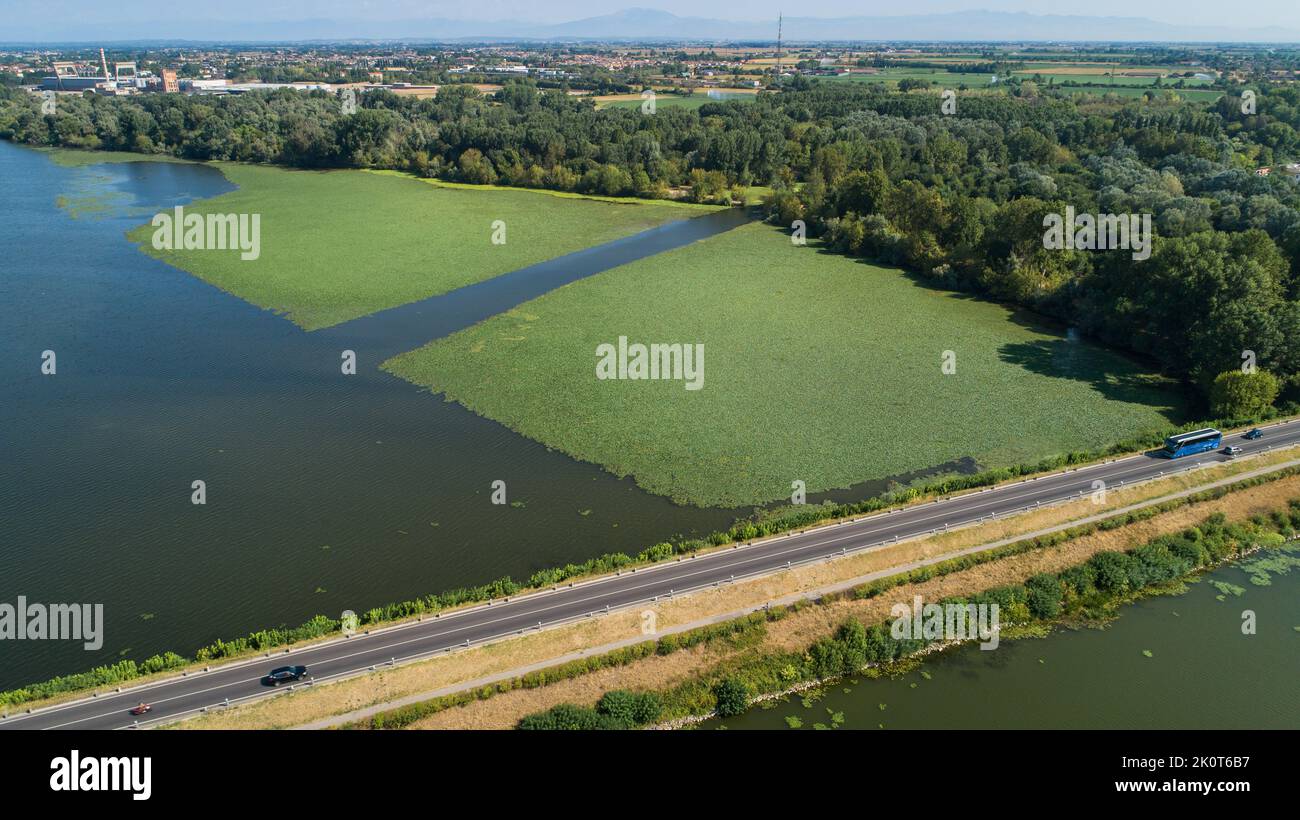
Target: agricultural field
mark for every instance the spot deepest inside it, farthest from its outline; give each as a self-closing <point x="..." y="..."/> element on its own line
<point x="818" y="368"/>
<point x="934" y="75"/>
<point x="695" y="100"/>
<point x="1100" y="78"/>
<point x="1189" y="94"/>
<point x="336" y="245"/>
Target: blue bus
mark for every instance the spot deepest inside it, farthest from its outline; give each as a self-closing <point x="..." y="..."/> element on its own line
<point x="1197" y="441"/>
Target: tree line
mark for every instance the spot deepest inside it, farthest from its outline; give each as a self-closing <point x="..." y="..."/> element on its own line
<point x="957" y="197"/>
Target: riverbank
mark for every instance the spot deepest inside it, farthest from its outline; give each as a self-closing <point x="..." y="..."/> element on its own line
<point x="1185" y="656"/>
<point x="1088" y="594"/>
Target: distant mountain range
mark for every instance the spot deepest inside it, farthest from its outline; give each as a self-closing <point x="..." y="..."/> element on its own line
<point x="651" y="25"/>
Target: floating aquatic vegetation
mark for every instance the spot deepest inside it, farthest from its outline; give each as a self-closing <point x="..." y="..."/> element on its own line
<point x="1227" y="589"/>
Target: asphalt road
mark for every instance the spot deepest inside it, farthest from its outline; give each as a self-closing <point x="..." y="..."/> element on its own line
<point x="238" y="682"/>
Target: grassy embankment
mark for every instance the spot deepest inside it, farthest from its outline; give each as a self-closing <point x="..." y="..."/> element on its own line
<point x="828" y="369"/>
<point x="492" y="664"/>
<point x="336" y="245"/>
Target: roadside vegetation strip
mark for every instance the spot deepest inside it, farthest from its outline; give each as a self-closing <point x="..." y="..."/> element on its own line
<point x="884" y="581"/>
<point x="320" y="627"/>
<point x="829" y="369"/>
<point x="1089" y="592"/>
<point x="337" y="245"/>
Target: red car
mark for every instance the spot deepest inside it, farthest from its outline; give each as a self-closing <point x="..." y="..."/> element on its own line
<point x="143" y="708"/>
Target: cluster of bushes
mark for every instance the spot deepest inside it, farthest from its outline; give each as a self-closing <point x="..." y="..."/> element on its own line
<point x="500" y="588"/>
<point x="1089" y="588"/>
<point x="319" y="626"/>
<point x="616" y="709"/>
<point x="731" y="696"/>
<point x="853" y="647"/>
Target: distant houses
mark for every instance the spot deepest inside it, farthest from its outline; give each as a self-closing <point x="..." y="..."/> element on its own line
<point x="1291" y="170"/>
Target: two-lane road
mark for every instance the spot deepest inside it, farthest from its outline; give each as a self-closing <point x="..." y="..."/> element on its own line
<point x="179" y="696"/>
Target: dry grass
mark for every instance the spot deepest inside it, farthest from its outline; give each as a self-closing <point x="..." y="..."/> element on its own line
<point x="504" y="711"/>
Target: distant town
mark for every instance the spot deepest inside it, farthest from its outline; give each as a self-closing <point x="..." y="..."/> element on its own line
<point x="602" y="71"/>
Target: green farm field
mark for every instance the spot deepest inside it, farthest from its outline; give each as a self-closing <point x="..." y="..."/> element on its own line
<point x="818" y="368"/>
<point x="336" y="245"/>
<point x="1103" y="79"/>
<point x="1189" y="94"/>
<point x="934" y="75"/>
<point x="677" y="100"/>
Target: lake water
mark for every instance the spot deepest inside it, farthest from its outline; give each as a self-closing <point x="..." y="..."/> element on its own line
<point x="324" y="492"/>
<point x="1202" y="673"/>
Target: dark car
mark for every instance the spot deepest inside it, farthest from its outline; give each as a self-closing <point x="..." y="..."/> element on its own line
<point x="1254" y="434"/>
<point x="285" y="674"/>
<point x="142" y="709"/>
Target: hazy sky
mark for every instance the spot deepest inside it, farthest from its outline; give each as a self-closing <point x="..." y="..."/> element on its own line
<point x="1246" y="13"/>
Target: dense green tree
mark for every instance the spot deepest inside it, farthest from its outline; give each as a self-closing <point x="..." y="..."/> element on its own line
<point x="1236" y="394"/>
<point x="732" y="696"/>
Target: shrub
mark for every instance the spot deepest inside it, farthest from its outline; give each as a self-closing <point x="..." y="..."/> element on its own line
<point x="732" y="696"/>
<point x="1112" y="570"/>
<point x="630" y="708"/>
<point x="1044" y="599"/>
<point x="617" y="709"/>
<point x="562" y="716"/>
<point x="1080" y="580"/>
